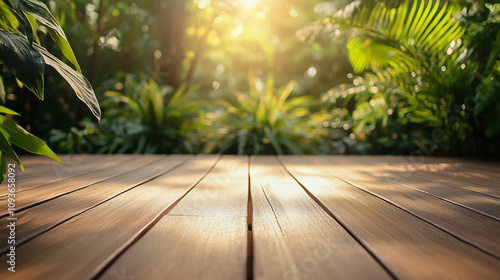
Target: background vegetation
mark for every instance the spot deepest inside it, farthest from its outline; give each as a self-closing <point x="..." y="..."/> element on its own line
<point x="267" y="77"/>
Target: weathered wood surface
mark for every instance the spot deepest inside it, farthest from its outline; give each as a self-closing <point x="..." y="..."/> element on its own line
<point x="259" y="217"/>
<point x="203" y="236"/>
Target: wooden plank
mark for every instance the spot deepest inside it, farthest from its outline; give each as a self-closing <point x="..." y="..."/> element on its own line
<point x="81" y="247"/>
<point x="488" y="171"/>
<point x="34" y="166"/>
<point x="49" y="169"/>
<point x="61" y="172"/>
<point x="472" y="227"/>
<point x="488" y="167"/>
<point x="37" y="165"/>
<point x="484" y="204"/>
<point x="203" y="237"/>
<point x="491" y="188"/>
<point x="36" y="195"/>
<point x="40" y="218"/>
<point x="224" y="192"/>
<point x="451" y="174"/>
<point x="457" y="174"/>
<point x="187" y="247"/>
<point x="294" y="238"/>
<point x="410" y="247"/>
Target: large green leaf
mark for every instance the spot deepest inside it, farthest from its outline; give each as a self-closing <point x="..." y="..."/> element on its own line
<point x="23" y="20"/>
<point x="26" y="63"/>
<point x="42" y="14"/>
<point x="7" y="149"/>
<point x="400" y="38"/>
<point x="8" y="111"/>
<point x="18" y="136"/>
<point x="7" y="19"/>
<point x="63" y="43"/>
<point x="77" y="81"/>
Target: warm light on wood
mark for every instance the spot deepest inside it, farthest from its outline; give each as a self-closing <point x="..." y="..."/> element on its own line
<point x="258" y="217"/>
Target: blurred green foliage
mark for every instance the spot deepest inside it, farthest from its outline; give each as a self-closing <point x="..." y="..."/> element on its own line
<point x="424" y="79"/>
<point x="144" y="118"/>
<point x="266" y="121"/>
<point x="281" y="76"/>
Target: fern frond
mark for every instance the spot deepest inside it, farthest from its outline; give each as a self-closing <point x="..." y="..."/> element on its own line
<point x="400" y="38"/>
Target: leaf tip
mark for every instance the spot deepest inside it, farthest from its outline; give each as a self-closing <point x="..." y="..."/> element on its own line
<point x="21" y="166"/>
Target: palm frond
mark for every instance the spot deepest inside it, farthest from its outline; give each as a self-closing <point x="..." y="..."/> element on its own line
<point x="400" y="38"/>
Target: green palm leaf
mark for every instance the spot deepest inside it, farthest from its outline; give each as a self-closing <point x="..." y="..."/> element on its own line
<point x="400" y="38"/>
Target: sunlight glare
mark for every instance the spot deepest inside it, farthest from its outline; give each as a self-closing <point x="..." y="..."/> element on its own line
<point x="312" y="71"/>
<point x="237" y="31"/>
<point x="249" y="3"/>
<point x="202" y="4"/>
<point x="259" y="85"/>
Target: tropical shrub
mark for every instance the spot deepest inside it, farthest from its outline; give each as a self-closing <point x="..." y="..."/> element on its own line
<point x="26" y="59"/>
<point x="373" y="122"/>
<point x="266" y="121"/>
<point x="422" y="62"/>
<point x="144" y="117"/>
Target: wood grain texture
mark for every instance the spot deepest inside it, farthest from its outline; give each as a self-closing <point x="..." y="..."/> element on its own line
<point x="477" y="201"/>
<point x="410" y="247"/>
<point x="185" y="217"/>
<point x="475" y="228"/>
<point x="80" y="247"/>
<point x="294" y="238"/>
<point x="40" y="218"/>
<point x="204" y="236"/>
<point x="43" y="169"/>
<point x="448" y="173"/>
<point x="483" y="167"/>
<point x="187" y="247"/>
<point x="35" y="165"/>
<point x="56" y="172"/>
<point x="36" y="195"/>
<point x="223" y="192"/>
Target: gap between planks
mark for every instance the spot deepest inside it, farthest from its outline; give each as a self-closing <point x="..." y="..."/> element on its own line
<point x="341" y="223"/>
<point x="198" y="225"/>
<point x="46" y="192"/>
<point x="483" y="263"/>
<point x="249" y="220"/>
<point x="109" y="261"/>
<point x="43" y="257"/>
<point x="100" y="196"/>
<point x="250" y="266"/>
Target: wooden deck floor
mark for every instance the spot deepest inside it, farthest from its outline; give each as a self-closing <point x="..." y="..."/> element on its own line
<point x="261" y="217"/>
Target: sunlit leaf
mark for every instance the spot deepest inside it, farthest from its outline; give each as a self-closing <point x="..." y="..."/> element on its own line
<point x="18" y="136"/>
<point x="23" y="20"/>
<point x="7" y="19"/>
<point x="7" y="149"/>
<point x="8" y="111"/>
<point x="77" y="81"/>
<point x="34" y="26"/>
<point x="25" y="62"/>
<point x="65" y="48"/>
<point x="42" y="14"/>
<point x="399" y="37"/>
